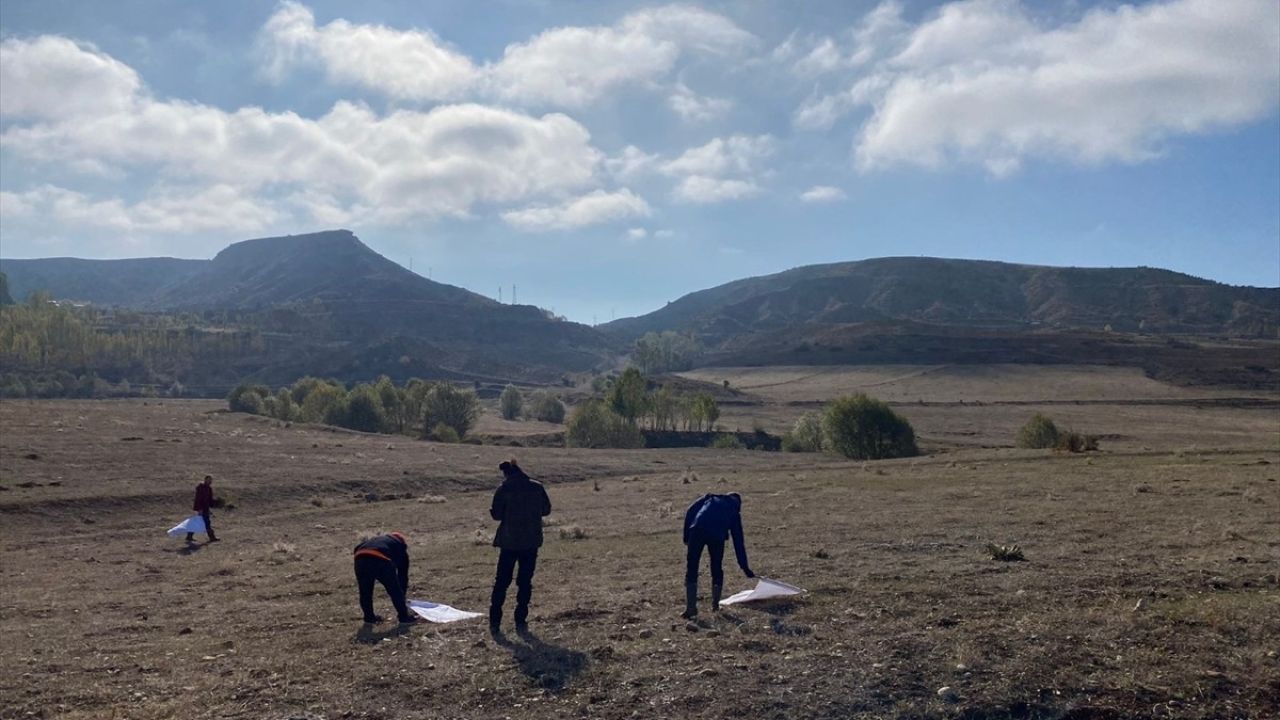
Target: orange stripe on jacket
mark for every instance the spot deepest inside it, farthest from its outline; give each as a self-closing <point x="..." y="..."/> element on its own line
<point x="372" y="553"/>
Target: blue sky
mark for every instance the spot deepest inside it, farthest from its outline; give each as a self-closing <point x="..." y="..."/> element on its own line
<point x="609" y="157"/>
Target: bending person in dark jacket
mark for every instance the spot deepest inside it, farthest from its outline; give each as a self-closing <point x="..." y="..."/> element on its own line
<point x="708" y="523"/>
<point x="519" y="505"/>
<point x="384" y="559"/>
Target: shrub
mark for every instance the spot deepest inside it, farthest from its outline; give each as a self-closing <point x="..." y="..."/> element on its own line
<point x="1071" y="441"/>
<point x="1039" y="432"/>
<point x="445" y="434"/>
<point x="511" y="402"/>
<point x="248" y="398"/>
<point x="452" y="406"/>
<point x="864" y="428"/>
<point x="573" y="532"/>
<point x="320" y="402"/>
<point x="546" y="407"/>
<point x="364" y="410"/>
<point x="805" y="435"/>
<point x="726" y="441"/>
<point x="595" y="425"/>
<point x="1005" y="553"/>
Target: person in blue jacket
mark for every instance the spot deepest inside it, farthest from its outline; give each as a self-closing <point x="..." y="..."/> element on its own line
<point x="708" y="522"/>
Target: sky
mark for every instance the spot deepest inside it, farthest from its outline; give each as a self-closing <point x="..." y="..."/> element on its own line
<point x="609" y="157"/>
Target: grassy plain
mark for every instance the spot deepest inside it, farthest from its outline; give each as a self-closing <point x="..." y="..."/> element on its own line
<point x="1151" y="586"/>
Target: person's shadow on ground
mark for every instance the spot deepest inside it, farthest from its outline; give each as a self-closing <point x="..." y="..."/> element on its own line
<point x="188" y="549"/>
<point x="549" y="666"/>
<point x="369" y="635"/>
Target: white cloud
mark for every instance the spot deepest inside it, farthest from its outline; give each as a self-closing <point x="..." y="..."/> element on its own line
<point x="733" y="154"/>
<point x="692" y="107"/>
<point x="822" y="194"/>
<point x="403" y="64"/>
<point x="348" y="163"/>
<point x="983" y="82"/>
<point x="53" y="77"/>
<point x="721" y="170"/>
<point x="590" y="209"/>
<point x="703" y="190"/>
<point x="566" y="66"/>
<point x="631" y="163"/>
<point x="168" y="210"/>
<point x="636" y="234"/>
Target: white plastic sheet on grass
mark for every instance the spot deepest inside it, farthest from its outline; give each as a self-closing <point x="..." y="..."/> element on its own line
<point x="765" y="589"/>
<point x="437" y="613"/>
<point x="193" y="524"/>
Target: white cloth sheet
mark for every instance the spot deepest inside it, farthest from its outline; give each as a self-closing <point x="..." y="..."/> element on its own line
<point x="193" y="524"/>
<point x="765" y="589"/>
<point x="437" y="613"/>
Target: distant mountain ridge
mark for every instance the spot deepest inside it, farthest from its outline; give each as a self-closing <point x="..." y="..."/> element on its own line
<point x="352" y="312"/>
<point x="957" y="293"/>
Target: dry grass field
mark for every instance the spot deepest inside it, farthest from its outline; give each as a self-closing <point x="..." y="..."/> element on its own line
<point x="1151" y="585"/>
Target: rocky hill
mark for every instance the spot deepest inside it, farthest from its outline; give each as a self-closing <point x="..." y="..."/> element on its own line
<point x="331" y="306"/>
<point x="963" y="294"/>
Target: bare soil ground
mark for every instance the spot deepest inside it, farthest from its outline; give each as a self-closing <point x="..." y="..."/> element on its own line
<point x="1151" y="586"/>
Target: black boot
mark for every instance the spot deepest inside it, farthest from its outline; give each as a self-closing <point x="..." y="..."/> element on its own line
<point x="690" y="601"/>
<point x="715" y="597"/>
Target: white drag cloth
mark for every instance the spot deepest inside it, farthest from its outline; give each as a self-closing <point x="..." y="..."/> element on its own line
<point x="437" y="613"/>
<point x="765" y="589"/>
<point x="193" y="524"/>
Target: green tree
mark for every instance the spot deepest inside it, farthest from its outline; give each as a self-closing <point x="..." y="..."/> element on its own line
<point x="323" y="402"/>
<point x="392" y="400"/>
<point x="364" y="410"/>
<point x="595" y="425"/>
<point x="665" y="352"/>
<point x="864" y="428"/>
<point x="629" y="396"/>
<point x="248" y="398"/>
<point x="511" y="402"/>
<point x="455" y="407"/>
<point x="805" y="435"/>
<point x="546" y="407"/>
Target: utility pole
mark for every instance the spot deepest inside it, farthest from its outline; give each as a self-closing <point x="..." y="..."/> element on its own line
<point x="499" y="293"/>
<point x="513" y="294"/>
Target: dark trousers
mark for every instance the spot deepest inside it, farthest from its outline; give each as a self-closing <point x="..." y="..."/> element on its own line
<point x="371" y="569"/>
<point x="715" y="548"/>
<point x="507" y="561"/>
<point x="208" y="526"/>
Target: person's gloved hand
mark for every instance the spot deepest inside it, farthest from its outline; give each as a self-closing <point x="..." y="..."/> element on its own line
<point x="747" y="571"/>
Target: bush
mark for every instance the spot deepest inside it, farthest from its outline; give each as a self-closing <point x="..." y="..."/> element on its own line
<point x="248" y="398"/>
<point x="321" y="403"/>
<point x="445" y="434"/>
<point x="726" y="441"/>
<point x="1005" y="553"/>
<point x="1038" y="433"/>
<point x="805" y="435"/>
<point x="595" y="425"/>
<point x="864" y="428"/>
<point x="1071" y="441"/>
<point x="511" y="402"/>
<point x="363" y="410"/>
<point x="451" y="406"/>
<point x="546" y="407"/>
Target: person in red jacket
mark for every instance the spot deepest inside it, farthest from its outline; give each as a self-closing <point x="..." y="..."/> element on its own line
<point x="204" y="505"/>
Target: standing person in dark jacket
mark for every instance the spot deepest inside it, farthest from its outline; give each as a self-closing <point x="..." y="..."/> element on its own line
<point x="519" y="505"/>
<point x="708" y="522"/>
<point x="204" y="505"/>
<point x="384" y="559"/>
